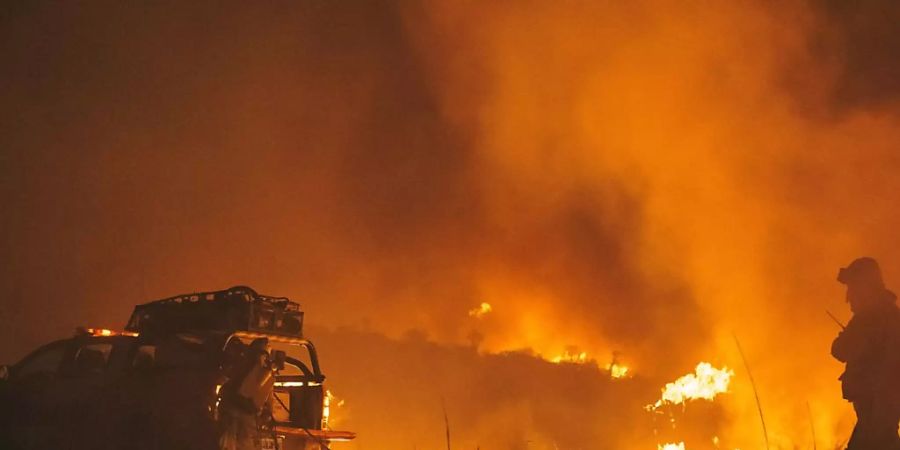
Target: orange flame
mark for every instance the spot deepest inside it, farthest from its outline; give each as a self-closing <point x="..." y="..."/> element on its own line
<point x="570" y="357"/>
<point x="617" y="370"/>
<point x="483" y="309"/>
<point x="678" y="446"/>
<point x="705" y="383"/>
<point x="327" y="403"/>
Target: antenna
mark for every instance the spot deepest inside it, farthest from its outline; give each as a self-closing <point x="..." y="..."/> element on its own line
<point x="835" y="319"/>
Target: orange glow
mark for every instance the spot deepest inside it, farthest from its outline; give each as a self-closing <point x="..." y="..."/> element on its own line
<point x="617" y="370"/>
<point x="483" y="309"/>
<point x="296" y="383"/>
<point x="328" y="403"/>
<point x="271" y="337"/>
<point x="328" y="435"/>
<point x="705" y="383"/>
<point x="104" y="332"/>
<point x="571" y="358"/>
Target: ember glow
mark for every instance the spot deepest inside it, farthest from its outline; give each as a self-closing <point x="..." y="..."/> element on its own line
<point x="107" y="332"/>
<point x="705" y="383"/>
<point x="326" y="409"/>
<point x="481" y="310"/>
<point x="329" y="403"/>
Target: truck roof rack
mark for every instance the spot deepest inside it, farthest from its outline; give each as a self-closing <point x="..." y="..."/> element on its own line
<point x="239" y="308"/>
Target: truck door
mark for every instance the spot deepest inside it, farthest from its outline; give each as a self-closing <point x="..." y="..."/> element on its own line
<point x="82" y="394"/>
<point x="29" y="399"/>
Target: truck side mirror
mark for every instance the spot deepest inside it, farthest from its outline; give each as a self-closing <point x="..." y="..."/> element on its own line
<point x="4" y="372"/>
<point x="278" y="357"/>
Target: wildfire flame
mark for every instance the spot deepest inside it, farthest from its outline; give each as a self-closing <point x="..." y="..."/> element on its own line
<point x="329" y="401"/>
<point x="705" y="383"/>
<point x="678" y="446"/>
<point x="617" y="370"/>
<point x="570" y="357"/>
<point x="481" y="310"/>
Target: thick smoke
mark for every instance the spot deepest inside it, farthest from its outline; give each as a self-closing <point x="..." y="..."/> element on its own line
<point x="642" y="177"/>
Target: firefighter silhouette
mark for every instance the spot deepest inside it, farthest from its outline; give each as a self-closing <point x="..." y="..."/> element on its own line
<point x="870" y="347"/>
<point x="245" y="396"/>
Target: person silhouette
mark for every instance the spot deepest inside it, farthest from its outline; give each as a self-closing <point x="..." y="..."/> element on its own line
<point x="870" y="348"/>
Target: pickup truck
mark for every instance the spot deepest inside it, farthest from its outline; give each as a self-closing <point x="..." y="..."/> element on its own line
<point x="168" y="380"/>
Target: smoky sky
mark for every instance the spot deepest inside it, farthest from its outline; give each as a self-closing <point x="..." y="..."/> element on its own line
<point x="862" y="37"/>
<point x="153" y="149"/>
<point x="194" y="137"/>
<point x="643" y="177"/>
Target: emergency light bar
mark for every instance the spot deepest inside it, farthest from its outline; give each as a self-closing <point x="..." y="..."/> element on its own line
<point x="102" y="332"/>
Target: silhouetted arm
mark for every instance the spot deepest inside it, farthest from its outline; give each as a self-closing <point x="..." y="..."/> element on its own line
<point x="850" y="343"/>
